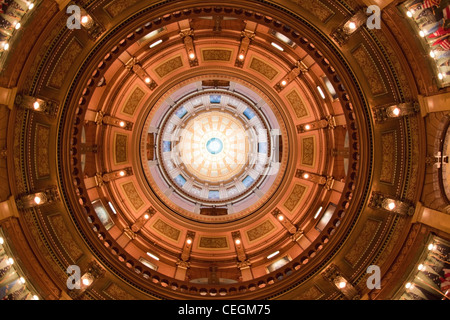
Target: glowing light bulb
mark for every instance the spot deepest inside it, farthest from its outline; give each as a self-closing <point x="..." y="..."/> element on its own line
<point x="237" y="241"/>
<point x="391" y="206"/>
<point x="430" y="246"/>
<point x="35" y="297"/>
<point x="84" y="19"/>
<point x="146" y="217"/>
<point x="396" y="111"/>
<point x="283" y="83"/>
<point x="189" y="241"/>
<point x="122" y="124"/>
<point x="37" y="200"/>
<point x="352" y="25"/>
<point x="342" y="284"/>
<point x="421" y="267"/>
<point x="86" y="281"/>
<point x="148" y="80"/>
<point x="36" y="105"/>
<point x="122" y="173"/>
<point x="192" y="56"/>
<point x="18" y="25"/>
<point x="22" y="279"/>
<point x="280" y="217"/>
<point x="10" y="261"/>
<point x="6" y="46"/>
<point x="307" y="127"/>
<point x="305" y="176"/>
<point x="409" y="14"/>
<point x="422" y="34"/>
<point x="440" y="76"/>
<point x="30" y="6"/>
<point x="241" y="56"/>
<point x="2" y="241"/>
<point x="408" y="285"/>
<point x="432" y="54"/>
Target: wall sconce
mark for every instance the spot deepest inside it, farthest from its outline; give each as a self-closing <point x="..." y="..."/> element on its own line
<point x="91" y="25"/>
<point x="396" y="111"/>
<point x="246" y="38"/>
<point x="37" y="199"/>
<point x="101" y="179"/>
<point x="389" y="204"/>
<point x="102" y="119"/>
<point x="333" y="275"/>
<point x="47" y="107"/>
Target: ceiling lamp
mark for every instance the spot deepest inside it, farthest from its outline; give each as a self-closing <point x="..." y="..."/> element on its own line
<point x="237" y="241"/>
<point x="270" y="256"/>
<point x="277" y="46"/>
<point x="37" y="200"/>
<point x="342" y="284"/>
<point x="322" y="94"/>
<point x="192" y="55"/>
<point x="2" y="241"/>
<point x="151" y="255"/>
<point x="318" y="212"/>
<point x="154" y="44"/>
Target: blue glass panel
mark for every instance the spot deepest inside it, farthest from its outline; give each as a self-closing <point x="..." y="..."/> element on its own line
<point x="262" y="147"/>
<point x="180" y="113"/>
<point x="167" y="146"/>
<point x="249" y="113"/>
<point x="214" y="146"/>
<point x="248" y="181"/>
<point x="180" y="180"/>
<point x="214" y="195"/>
<point x="215" y="98"/>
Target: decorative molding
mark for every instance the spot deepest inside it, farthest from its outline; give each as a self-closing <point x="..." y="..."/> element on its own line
<point x="260" y="231"/>
<point x="66" y="61"/>
<point x="132" y="195"/>
<point x="166" y="230"/>
<point x="297" y="104"/>
<point x="295" y="197"/>
<point x="388" y="157"/>
<point x="363" y="241"/>
<point x="217" y="55"/>
<point x="65" y="238"/>
<point x="41" y="147"/>
<point x="308" y="151"/>
<point x="213" y="243"/>
<point x="169" y="66"/>
<point x="120" y="148"/>
<point x="370" y="70"/>
<point x="263" y="68"/>
<point x="133" y="101"/>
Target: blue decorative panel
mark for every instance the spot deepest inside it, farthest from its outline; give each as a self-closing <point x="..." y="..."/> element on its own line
<point x="180" y="113"/>
<point x="248" y="181"/>
<point x="167" y="146"/>
<point x="180" y="180"/>
<point x="214" y="195"/>
<point x="262" y="147"/>
<point x="215" y="98"/>
<point x="249" y="113"/>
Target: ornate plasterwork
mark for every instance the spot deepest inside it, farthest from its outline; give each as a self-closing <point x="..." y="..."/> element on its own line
<point x="294" y="198"/>
<point x="260" y="231"/>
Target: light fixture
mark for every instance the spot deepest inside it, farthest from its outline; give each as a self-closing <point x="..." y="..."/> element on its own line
<point x="432" y="54"/>
<point x="305" y="176"/>
<point x="342" y="284"/>
<point x="270" y="256"/>
<point x="322" y="94"/>
<point x="86" y="282"/>
<point x="280" y="217"/>
<point x="283" y="83"/>
<point x="2" y="241"/>
<point x="147" y="80"/>
<point x="352" y="25"/>
<point x="422" y="34"/>
<point x="318" y="212"/>
<point x="408" y="285"/>
<point x="241" y="56"/>
<point x="84" y="19"/>
<point x="152" y="256"/>
<point x="391" y="206"/>
<point x="237" y="241"/>
<point x="122" y="173"/>
<point x="36" y="105"/>
<point x="37" y="200"/>
<point x="192" y="56"/>
<point x="112" y="207"/>
<point x="6" y="46"/>
<point x="420" y="267"/>
<point x="35" y="297"/>
<point x="277" y="46"/>
<point x="10" y="261"/>
<point x="154" y="44"/>
<point x="432" y="246"/>
<point x="440" y="76"/>
<point x="146" y="216"/>
<point x="17" y="26"/>
<point x="122" y="124"/>
<point x="396" y="111"/>
<point x="22" y="280"/>
<point x="409" y="14"/>
<point x="307" y="127"/>
<point x="30" y="6"/>
<point x="189" y="241"/>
